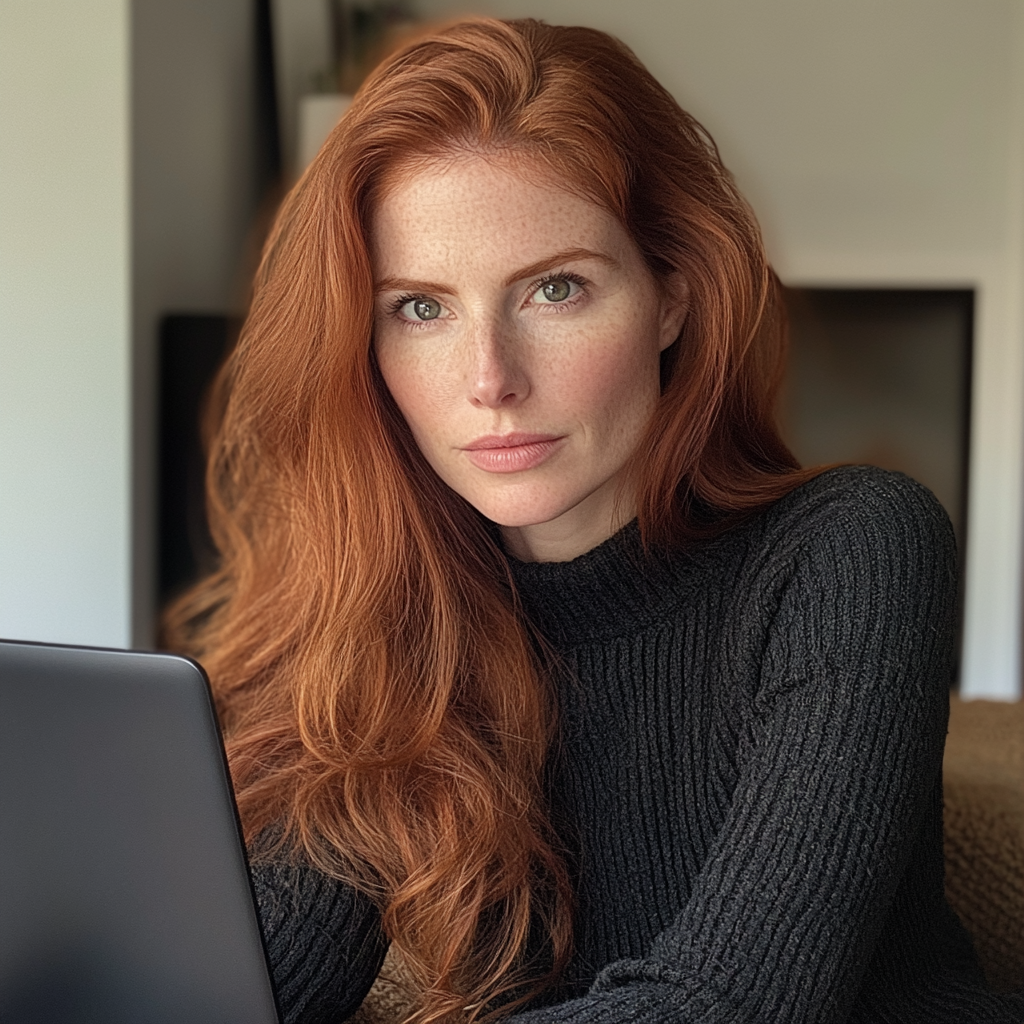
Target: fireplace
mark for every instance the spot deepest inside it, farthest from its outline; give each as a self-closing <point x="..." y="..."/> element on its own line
<point x="882" y="376"/>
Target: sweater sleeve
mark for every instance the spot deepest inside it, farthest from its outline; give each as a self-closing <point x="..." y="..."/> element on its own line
<point x="839" y="760"/>
<point x="323" y="941"/>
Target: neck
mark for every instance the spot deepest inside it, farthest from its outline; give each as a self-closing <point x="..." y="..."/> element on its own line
<point x="568" y="536"/>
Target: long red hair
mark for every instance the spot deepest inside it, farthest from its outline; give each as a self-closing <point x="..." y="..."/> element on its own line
<point x="386" y="713"/>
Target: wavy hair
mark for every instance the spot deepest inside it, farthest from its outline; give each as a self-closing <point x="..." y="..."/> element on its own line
<point x="387" y="713"/>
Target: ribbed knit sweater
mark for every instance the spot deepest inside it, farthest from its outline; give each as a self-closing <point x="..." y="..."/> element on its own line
<point x="749" y="775"/>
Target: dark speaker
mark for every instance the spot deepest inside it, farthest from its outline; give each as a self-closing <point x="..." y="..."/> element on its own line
<point x="192" y="348"/>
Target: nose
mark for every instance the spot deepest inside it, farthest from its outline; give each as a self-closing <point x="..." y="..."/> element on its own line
<point x="498" y="376"/>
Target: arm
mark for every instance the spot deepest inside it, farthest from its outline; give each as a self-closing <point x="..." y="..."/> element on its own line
<point x="323" y="939"/>
<point x="838" y="761"/>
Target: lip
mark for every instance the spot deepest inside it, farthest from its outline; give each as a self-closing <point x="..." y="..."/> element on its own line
<point x="511" y="453"/>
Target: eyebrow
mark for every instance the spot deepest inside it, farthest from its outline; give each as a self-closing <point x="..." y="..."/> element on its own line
<point x="541" y="265"/>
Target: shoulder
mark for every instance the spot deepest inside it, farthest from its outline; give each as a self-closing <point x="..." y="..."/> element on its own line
<point x="859" y="508"/>
<point x="860" y="494"/>
<point x="855" y="547"/>
<point x="852" y="578"/>
<point x="849" y="525"/>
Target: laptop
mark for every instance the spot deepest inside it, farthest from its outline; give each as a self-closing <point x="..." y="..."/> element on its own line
<point x="125" y="895"/>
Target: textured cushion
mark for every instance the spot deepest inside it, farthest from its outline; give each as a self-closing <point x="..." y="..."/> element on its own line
<point x="391" y="999"/>
<point x="984" y="829"/>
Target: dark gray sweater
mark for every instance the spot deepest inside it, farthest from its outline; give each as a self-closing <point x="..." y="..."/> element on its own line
<point x="750" y="777"/>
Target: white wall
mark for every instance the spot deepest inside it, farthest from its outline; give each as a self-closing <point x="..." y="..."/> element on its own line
<point x="302" y="53"/>
<point x="194" y="196"/>
<point x="64" y="321"/>
<point x="127" y="189"/>
<point x="880" y="142"/>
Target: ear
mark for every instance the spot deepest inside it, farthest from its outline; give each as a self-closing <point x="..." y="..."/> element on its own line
<point x="675" y="304"/>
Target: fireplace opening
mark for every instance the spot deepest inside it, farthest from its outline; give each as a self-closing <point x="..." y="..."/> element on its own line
<point x="883" y="377"/>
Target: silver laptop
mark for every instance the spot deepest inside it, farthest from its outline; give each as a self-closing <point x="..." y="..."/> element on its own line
<point x="124" y="892"/>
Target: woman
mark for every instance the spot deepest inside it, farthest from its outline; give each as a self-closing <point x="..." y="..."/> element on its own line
<point x="538" y="655"/>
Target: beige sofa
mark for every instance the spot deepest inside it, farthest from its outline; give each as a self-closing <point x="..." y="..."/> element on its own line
<point x="984" y="827"/>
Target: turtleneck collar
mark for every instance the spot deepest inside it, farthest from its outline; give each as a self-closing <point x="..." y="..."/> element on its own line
<point x="609" y="591"/>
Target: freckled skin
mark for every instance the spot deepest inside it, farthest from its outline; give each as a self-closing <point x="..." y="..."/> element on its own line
<point x="498" y="353"/>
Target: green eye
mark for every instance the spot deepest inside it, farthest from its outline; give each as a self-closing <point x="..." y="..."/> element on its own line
<point x="425" y="309"/>
<point x="557" y="291"/>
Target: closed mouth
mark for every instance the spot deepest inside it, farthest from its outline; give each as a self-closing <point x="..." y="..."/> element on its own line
<point x="513" y="440"/>
<point x="512" y="453"/>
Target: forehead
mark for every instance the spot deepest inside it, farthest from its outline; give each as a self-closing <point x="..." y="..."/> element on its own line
<point x="474" y="209"/>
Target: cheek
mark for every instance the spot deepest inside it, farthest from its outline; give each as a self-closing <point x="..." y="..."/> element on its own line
<point x="418" y="388"/>
<point x="615" y="379"/>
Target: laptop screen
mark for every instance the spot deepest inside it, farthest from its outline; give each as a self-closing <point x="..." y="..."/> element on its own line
<point x="123" y="883"/>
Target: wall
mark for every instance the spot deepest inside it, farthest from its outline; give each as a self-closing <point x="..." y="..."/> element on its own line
<point x="64" y="321"/>
<point x="302" y="52"/>
<point x="881" y="143"/>
<point x="194" y="197"/>
<point x="128" y="184"/>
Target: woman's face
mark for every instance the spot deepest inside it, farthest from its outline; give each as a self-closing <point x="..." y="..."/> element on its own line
<point x="519" y="332"/>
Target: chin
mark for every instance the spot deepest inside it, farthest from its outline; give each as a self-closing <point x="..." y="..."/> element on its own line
<point x="511" y="514"/>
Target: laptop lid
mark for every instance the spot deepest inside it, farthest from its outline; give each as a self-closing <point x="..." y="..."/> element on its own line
<point x="124" y="892"/>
